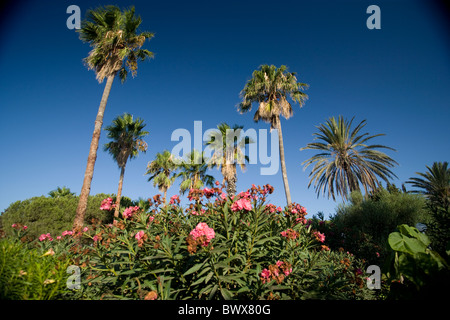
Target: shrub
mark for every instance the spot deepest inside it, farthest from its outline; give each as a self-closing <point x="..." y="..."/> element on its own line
<point x="51" y="215"/>
<point x="362" y="226"/>
<point x="30" y="274"/>
<point x="218" y="248"/>
<point x="414" y="270"/>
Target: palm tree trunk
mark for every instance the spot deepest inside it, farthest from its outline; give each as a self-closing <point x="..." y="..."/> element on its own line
<point x="119" y="192"/>
<point x="283" y="163"/>
<point x="89" y="173"/>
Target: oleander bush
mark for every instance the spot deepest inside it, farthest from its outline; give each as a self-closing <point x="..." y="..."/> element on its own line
<point x="219" y="247"/>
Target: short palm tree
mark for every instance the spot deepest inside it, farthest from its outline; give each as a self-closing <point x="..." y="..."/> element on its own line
<point x="270" y="88"/>
<point x="434" y="184"/>
<point x="61" y="192"/>
<point x="116" y="50"/>
<point x="228" y="153"/>
<point x="126" y="135"/>
<point x="162" y="171"/>
<point x="346" y="160"/>
<point x="193" y="172"/>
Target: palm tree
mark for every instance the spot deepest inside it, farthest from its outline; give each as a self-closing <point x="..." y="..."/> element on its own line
<point x="61" y="192"/>
<point x="162" y="171"/>
<point x="228" y="153"/>
<point x="270" y="88"/>
<point x="346" y="160"/>
<point x="193" y="172"/>
<point x="434" y="184"/>
<point x="116" y="50"/>
<point x="126" y="135"/>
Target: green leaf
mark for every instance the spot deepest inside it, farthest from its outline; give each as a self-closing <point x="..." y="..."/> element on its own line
<point x="402" y="243"/>
<point x="194" y="268"/>
<point x="226" y="294"/>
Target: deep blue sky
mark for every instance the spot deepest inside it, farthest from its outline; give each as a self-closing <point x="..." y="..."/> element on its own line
<point x="396" y="78"/>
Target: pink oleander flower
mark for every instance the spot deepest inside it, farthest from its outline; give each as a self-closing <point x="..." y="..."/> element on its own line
<point x="13" y="225"/>
<point x="208" y="192"/>
<point x="85" y="229"/>
<point x="202" y="229"/>
<point x="241" y="204"/>
<point x="47" y="236"/>
<point x="25" y="227"/>
<point x="223" y="196"/>
<point x="58" y="238"/>
<point x="217" y="183"/>
<point x="130" y="211"/>
<point x="139" y="235"/>
<point x="67" y="233"/>
<point x="173" y="199"/>
<point x="107" y="204"/>
<point x="95" y="238"/>
<point x="265" y="276"/>
<point x="319" y="236"/>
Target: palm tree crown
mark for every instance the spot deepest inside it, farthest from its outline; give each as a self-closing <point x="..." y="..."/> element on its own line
<point x="127" y="141"/>
<point x="435" y="184"/>
<point x="193" y="172"/>
<point x="346" y="160"/>
<point x="228" y="153"/>
<point x="126" y="135"/>
<point x="116" y="46"/>
<point x="162" y="171"/>
<point x="270" y="87"/>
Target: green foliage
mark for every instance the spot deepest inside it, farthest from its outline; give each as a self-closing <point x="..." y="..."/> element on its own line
<point x="51" y="215"/>
<point x="30" y="274"/>
<point x="363" y="225"/>
<point x="165" y="261"/>
<point x="414" y="270"/>
<point x="345" y="161"/>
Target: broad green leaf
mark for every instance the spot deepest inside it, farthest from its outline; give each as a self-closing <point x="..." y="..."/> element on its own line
<point x="402" y="243"/>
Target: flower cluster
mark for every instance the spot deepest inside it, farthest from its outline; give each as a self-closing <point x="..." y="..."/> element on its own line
<point x="44" y="237"/>
<point x="298" y="212"/>
<point x="130" y="211"/>
<point x="319" y="236"/>
<point x="290" y="234"/>
<point x="107" y="204"/>
<point x="241" y="204"/>
<point x="272" y="208"/>
<point x="202" y="235"/>
<point x="277" y="272"/>
<point x="140" y="237"/>
<point x="174" y="199"/>
<point x="18" y="226"/>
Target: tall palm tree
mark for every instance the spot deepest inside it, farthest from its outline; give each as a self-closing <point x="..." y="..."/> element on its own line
<point x="346" y="160"/>
<point x="116" y="50"/>
<point x="193" y="172"/>
<point x="228" y="153"/>
<point x="434" y="184"/>
<point x="270" y="87"/>
<point x="162" y="171"/>
<point x="126" y="135"/>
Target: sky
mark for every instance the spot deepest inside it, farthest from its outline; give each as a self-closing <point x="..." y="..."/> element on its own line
<point x="397" y="78"/>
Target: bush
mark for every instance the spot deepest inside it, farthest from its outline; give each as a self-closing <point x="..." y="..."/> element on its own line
<point x="30" y="274"/>
<point x="363" y="226"/>
<point x="51" y="215"/>
<point x="218" y="248"/>
<point x="414" y="270"/>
